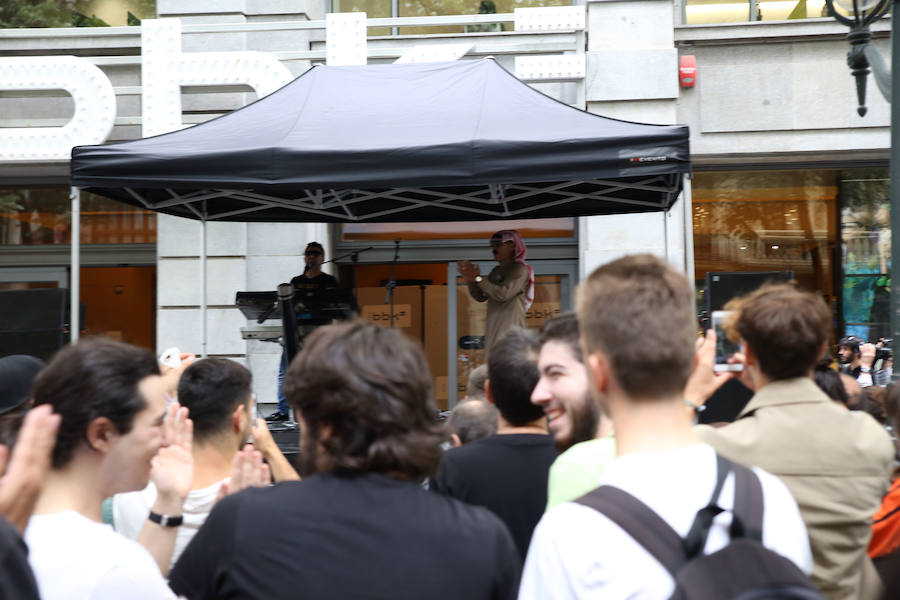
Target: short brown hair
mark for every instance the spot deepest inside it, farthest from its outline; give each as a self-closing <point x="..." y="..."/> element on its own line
<point x="785" y="327"/>
<point x="372" y="387"/>
<point x="639" y="312"/>
<point x="563" y="328"/>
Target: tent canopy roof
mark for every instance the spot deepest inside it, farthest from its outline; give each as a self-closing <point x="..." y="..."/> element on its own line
<point x="452" y="141"/>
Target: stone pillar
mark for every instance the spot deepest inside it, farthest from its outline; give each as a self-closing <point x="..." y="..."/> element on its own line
<point x="240" y="256"/>
<point x="632" y="74"/>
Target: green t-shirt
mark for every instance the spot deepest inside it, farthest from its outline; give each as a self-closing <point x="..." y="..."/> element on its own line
<point x="577" y="471"/>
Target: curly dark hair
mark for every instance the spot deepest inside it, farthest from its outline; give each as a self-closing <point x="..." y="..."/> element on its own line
<point x="372" y="388"/>
<point x="97" y="377"/>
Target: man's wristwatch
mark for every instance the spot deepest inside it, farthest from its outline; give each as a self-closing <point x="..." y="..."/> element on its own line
<point x="479" y="279"/>
<point x="166" y="520"/>
<point x="865" y="370"/>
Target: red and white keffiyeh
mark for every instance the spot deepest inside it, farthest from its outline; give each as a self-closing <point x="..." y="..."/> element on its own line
<point x="511" y="235"/>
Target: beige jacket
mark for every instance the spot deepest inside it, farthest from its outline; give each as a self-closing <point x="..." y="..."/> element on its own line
<point x="503" y="289"/>
<point x="836" y="463"/>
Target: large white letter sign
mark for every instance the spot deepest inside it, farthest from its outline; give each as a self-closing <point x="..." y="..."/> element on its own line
<point x="165" y="69"/>
<point x="345" y="39"/>
<point x="95" y="106"/>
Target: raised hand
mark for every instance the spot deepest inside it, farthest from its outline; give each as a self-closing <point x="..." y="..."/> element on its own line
<point x="173" y="466"/>
<point x="247" y="470"/>
<point x="24" y="473"/>
<point x="704" y="381"/>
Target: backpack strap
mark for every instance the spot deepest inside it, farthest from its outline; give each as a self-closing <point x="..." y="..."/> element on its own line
<point x="640" y="522"/>
<point x="699" y="531"/>
<point x="747" y="521"/>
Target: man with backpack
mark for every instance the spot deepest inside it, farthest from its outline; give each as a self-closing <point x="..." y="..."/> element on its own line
<point x="656" y="526"/>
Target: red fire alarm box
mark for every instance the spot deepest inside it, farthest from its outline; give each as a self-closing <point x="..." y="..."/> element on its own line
<point x="687" y="71"/>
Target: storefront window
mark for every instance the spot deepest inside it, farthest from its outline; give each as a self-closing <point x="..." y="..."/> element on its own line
<point x="767" y="221"/>
<point x="866" y="253"/>
<point x="42" y="216"/>
<point x="425" y="8"/>
<point x="697" y="12"/>
<point x="830" y="227"/>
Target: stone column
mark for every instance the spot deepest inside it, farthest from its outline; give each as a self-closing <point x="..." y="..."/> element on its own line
<point x="632" y="74"/>
<point x="240" y="256"/>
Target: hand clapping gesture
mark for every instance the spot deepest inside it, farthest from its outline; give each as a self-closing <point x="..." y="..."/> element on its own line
<point x="468" y="271"/>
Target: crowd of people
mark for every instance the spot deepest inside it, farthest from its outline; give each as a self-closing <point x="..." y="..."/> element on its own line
<point x="572" y="469"/>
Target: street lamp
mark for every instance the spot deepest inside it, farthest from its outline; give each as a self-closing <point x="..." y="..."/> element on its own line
<point x="858" y="17"/>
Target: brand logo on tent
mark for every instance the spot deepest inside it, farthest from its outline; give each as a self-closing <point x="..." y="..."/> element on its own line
<point x="643" y="159"/>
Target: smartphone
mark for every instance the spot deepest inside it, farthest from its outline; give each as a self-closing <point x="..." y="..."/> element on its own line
<point x="725" y="348"/>
<point x="171" y="357"/>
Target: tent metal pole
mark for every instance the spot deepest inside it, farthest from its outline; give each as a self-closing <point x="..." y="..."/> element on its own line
<point x="203" y="283"/>
<point x="688" y="209"/>
<point x="452" y="325"/>
<point x="665" y="218"/>
<point x="581" y="85"/>
<point x="75" y="270"/>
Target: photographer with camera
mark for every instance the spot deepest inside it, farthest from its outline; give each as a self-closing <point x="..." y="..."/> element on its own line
<point x="858" y="359"/>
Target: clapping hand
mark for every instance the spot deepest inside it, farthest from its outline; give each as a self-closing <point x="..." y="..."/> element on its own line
<point x="247" y="470"/>
<point x="24" y="473"/>
<point x="173" y="466"/>
<point x="468" y="271"/>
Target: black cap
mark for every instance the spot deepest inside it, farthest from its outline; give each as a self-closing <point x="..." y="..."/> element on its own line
<point x="17" y="373"/>
<point x="851" y="341"/>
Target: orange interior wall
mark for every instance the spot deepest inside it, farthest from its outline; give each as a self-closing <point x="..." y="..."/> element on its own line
<point x="373" y="275"/>
<point x="120" y="303"/>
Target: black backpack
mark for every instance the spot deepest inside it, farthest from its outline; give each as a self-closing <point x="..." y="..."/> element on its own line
<point x="742" y="570"/>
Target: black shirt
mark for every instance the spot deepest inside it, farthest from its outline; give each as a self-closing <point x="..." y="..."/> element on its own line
<point x="16" y="579"/>
<point x="312" y="295"/>
<point x="506" y="473"/>
<point x="348" y="536"/>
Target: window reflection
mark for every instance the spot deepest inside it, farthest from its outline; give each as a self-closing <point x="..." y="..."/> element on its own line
<point x="811" y="222"/>
<point x="866" y="253"/>
<point x="767" y="221"/>
<point x="77" y="13"/>
<point x="698" y="12"/>
<point x="42" y="216"/>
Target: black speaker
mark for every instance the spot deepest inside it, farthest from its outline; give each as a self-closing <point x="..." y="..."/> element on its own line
<point x="722" y="287"/>
<point x="34" y="322"/>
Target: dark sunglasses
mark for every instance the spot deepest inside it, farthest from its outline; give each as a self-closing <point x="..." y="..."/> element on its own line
<point x="313" y="253"/>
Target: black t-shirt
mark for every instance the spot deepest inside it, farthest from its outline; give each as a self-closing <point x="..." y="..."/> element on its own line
<point x="506" y="473"/>
<point x="312" y="296"/>
<point x="16" y="579"/>
<point x="348" y="536"/>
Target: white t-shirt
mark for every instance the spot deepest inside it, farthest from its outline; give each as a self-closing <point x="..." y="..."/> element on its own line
<point x="130" y="513"/>
<point x="75" y="558"/>
<point x="576" y="552"/>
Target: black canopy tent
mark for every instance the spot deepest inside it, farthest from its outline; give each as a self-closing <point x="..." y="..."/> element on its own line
<point x="452" y="141"/>
<point x="456" y="141"/>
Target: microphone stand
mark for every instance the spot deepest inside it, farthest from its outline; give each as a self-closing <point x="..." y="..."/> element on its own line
<point x="288" y="321"/>
<point x="392" y="283"/>
<point x="354" y="257"/>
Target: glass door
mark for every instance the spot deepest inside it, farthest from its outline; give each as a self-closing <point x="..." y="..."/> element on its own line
<point x="553" y="290"/>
